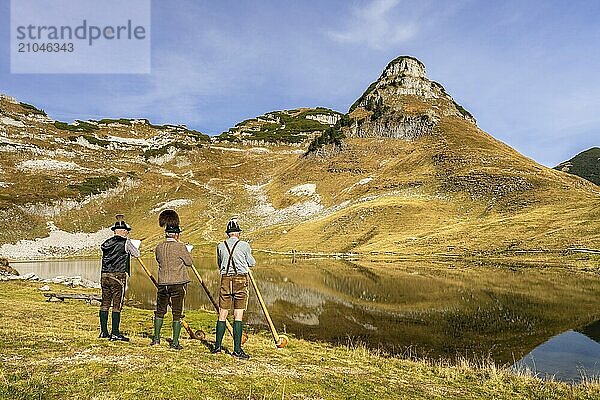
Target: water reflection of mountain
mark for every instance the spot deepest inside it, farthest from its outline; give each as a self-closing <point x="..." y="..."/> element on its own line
<point x="591" y="330"/>
<point x="444" y="310"/>
<point x="433" y="309"/>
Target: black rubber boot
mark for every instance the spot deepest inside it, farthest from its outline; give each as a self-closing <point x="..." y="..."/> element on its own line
<point x="240" y="355"/>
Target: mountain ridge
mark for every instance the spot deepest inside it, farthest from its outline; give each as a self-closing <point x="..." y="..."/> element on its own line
<point x="405" y="171"/>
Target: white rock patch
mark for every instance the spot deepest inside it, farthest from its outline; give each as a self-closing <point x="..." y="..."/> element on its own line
<point x="11" y="121"/>
<point x="85" y="143"/>
<point x="57" y="244"/>
<point x="328" y="119"/>
<point x="165" y="158"/>
<point x="308" y="189"/>
<point x="259" y="150"/>
<point x="48" y="165"/>
<point x="5" y="184"/>
<point x="265" y="209"/>
<point x="71" y="281"/>
<point x="364" y="181"/>
<point x="172" y="204"/>
<point x="129" y="141"/>
<point x="64" y="205"/>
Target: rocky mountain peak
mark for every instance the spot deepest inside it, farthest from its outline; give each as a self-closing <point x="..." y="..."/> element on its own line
<point x="404" y="66"/>
<point x="403" y="103"/>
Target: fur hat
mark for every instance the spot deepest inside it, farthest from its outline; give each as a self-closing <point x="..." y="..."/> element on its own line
<point x="120" y="223"/>
<point x="168" y="217"/>
<point x="233" y="226"/>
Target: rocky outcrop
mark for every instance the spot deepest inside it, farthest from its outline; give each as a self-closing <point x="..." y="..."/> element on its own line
<point x="326" y="119"/>
<point x="289" y="127"/>
<point x="8" y="99"/>
<point x="70" y="281"/>
<point x="403" y="103"/>
<point x="6" y="269"/>
<point x="396" y="126"/>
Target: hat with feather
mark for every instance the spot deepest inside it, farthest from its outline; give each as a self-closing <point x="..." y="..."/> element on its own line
<point x="233" y="226"/>
<point x="120" y="223"/>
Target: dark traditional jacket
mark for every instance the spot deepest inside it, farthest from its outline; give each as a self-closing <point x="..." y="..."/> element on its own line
<point x="115" y="254"/>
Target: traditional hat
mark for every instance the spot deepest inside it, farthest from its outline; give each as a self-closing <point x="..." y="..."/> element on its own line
<point x="172" y="229"/>
<point x="120" y="223"/>
<point x="168" y="217"/>
<point x="233" y="226"/>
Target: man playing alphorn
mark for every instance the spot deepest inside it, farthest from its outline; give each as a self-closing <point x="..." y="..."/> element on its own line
<point x="116" y="253"/>
<point x="173" y="261"/>
<point x="234" y="257"/>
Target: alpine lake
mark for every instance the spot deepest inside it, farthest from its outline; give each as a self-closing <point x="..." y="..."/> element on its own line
<point x="544" y="320"/>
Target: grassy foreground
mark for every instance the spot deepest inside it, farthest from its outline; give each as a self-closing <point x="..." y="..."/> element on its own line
<point x="51" y="350"/>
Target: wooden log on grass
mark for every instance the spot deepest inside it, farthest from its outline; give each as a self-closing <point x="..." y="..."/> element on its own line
<point x="75" y="296"/>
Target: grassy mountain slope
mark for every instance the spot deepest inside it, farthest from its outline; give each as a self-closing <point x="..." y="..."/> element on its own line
<point x="440" y="184"/>
<point x="585" y="164"/>
<point x="407" y="171"/>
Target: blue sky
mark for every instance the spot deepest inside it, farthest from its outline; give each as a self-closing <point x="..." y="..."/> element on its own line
<point x="527" y="70"/>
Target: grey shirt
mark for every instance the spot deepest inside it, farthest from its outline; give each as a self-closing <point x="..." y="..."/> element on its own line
<point x="242" y="256"/>
<point x="131" y="249"/>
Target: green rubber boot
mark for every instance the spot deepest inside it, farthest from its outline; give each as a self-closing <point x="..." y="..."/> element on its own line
<point x="103" y="324"/>
<point x="116" y="334"/>
<point x="158" y="323"/>
<point x="176" y="330"/>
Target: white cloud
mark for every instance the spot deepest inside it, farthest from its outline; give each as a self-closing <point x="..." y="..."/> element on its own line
<point x="375" y="26"/>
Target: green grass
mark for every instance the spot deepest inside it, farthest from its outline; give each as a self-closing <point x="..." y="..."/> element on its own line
<point x="585" y="164"/>
<point x="32" y="109"/>
<point x="362" y="97"/>
<point x="292" y="128"/>
<point x="82" y="126"/>
<point x="122" y="121"/>
<point x="95" y="185"/>
<point x="463" y="111"/>
<point x="329" y="136"/>
<point x="161" y="151"/>
<point x="51" y="351"/>
<point x="92" y="140"/>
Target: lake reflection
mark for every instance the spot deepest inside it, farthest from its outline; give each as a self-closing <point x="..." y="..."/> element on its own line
<point x="429" y="309"/>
